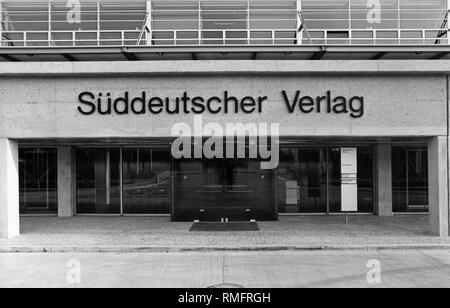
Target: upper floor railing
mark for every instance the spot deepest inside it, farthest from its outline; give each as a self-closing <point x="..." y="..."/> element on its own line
<point x="211" y="22"/>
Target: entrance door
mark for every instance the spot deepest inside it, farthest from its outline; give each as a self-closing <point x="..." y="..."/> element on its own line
<point x="417" y="179"/>
<point x="38" y="181"/>
<point x="233" y="189"/>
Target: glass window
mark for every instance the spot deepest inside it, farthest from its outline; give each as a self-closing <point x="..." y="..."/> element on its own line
<point x="423" y="14"/>
<point x="326" y="14"/>
<point x="410" y="179"/>
<point x="302" y="180"/>
<point x="303" y="184"/>
<point x="169" y="16"/>
<point x="38" y="181"/>
<point x="98" y="181"/>
<point x="365" y="180"/>
<point x="237" y="189"/>
<point x="366" y="16"/>
<point x="146" y="181"/>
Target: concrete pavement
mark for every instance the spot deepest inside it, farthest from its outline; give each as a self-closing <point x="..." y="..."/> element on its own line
<point x="403" y="269"/>
<point x="150" y="234"/>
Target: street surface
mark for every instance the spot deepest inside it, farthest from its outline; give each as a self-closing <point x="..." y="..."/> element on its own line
<point x="248" y="269"/>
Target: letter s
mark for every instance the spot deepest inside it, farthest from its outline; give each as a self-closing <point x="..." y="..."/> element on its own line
<point x="88" y="103"/>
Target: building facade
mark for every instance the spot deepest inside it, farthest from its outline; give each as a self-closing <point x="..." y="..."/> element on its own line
<point x="349" y="99"/>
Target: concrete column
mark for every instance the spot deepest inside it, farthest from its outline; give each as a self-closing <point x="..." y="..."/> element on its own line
<point x="438" y="186"/>
<point x="65" y="182"/>
<point x="384" y="180"/>
<point x="9" y="189"/>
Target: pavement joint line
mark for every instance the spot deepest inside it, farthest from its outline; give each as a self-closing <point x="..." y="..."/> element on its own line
<point x="175" y="249"/>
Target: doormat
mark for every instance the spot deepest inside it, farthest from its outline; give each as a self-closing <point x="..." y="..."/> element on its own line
<point x="224" y="227"/>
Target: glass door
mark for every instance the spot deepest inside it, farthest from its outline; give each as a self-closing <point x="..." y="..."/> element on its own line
<point x="38" y="181"/>
<point x="417" y="179"/>
<point x="233" y="189"/>
<point x="146" y="181"/>
<point x="410" y="179"/>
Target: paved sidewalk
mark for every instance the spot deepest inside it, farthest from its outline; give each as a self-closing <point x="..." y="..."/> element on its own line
<point x="125" y="234"/>
<point x="332" y="269"/>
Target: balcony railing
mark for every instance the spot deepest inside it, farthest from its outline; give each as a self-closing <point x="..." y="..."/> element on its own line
<point x="209" y="22"/>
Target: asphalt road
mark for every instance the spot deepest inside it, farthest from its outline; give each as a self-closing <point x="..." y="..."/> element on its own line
<point x="247" y="269"/>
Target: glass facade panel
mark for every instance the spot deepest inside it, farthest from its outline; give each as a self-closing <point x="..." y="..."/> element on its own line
<point x="237" y="189"/>
<point x="146" y="181"/>
<point x="302" y="180"/>
<point x="305" y="187"/>
<point x="38" y="181"/>
<point x="86" y="23"/>
<point x="365" y="15"/>
<point x="410" y="179"/>
<point x="98" y="181"/>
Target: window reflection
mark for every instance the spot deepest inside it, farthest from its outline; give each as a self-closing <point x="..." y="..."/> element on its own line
<point x="410" y="179"/>
<point x="98" y="181"/>
<point x="146" y="181"/>
<point x="305" y="187"/>
<point x="38" y="181"/>
<point x="302" y="180"/>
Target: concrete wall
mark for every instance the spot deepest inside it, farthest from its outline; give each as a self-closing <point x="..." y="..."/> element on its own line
<point x="383" y="154"/>
<point x="395" y="105"/>
<point x="65" y="182"/>
<point x="9" y="188"/>
<point x="438" y="186"/>
<point x="402" y="99"/>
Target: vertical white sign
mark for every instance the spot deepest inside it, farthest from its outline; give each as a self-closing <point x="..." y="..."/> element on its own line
<point x="349" y="179"/>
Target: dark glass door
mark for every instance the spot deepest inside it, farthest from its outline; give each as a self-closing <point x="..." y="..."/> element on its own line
<point x="233" y="189"/>
<point x="417" y="179"/>
<point x="146" y="181"/>
<point x="410" y="179"/>
<point x="38" y="191"/>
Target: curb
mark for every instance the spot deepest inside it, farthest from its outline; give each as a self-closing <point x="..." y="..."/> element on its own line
<point x="157" y="249"/>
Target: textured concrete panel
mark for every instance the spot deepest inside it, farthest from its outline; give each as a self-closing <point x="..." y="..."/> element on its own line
<point x="65" y="182"/>
<point x="438" y="186"/>
<point x="9" y="189"/>
<point x="384" y="180"/>
<point x="394" y="105"/>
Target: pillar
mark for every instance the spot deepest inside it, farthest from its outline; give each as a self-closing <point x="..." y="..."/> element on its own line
<point x="384" y="180"/>
<point x="65" y="182"/>
<point x="9" y="189"/>
<point x="438" y="186"/>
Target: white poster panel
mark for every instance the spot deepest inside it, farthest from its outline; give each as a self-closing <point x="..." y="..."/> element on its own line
<point x="349" y="197"/>
<point x="349" y="178"/>
<point x="349" y="161"/>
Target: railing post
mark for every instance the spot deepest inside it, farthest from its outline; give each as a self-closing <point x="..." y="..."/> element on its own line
<point x="149" y="24"/>
<point x="248" y="22"/>
<point x="98" y="23"/>
<point x="1" y="23"/>
<point x="200" y="24"/>
<point x="448" y="20"/>
<point x="299" y="33"/>
<point x="49" y="33"/>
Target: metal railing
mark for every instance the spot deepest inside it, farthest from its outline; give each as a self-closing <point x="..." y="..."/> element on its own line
<point x="191" y="23"/>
